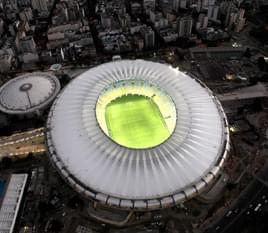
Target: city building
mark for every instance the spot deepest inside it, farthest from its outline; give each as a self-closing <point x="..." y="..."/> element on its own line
<point x="175" y="5"/>
<point x="234" y="16"/>
<point x="149" y="37"/>
<point x="26" y="14"/>
<point x="1" y="26"/>
<point x="5" y="62"/>
<point x="148" y="5"/>
<point x="11" y="202"/>
<point x="24" y="3"/>
<point x="74" y="36"/>
<point x="26" y="45"/>
<point x="202" y="22"/>
<point x="198" y="5"/>
<point x="122" y="177"/>
<point x="168" y="34"/>
<point x="158" y="20"/>
<point x="40" y="5"/>
<point x="30" y="58"/>
<point x="136" y="7"/>
<point x="136" y="27"/>
<point x="217" y="53"/>
<point x="106" y="21"/>
<point x="183" y="4"/>
<point x="240" y="22"/>
<point x="115" y="41"/>
<point x="185" y="25"/>
<point x="212" y="11"/>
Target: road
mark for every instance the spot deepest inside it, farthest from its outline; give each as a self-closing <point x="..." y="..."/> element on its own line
<point x="20" y="145"/>
<point x="251" y="203"/>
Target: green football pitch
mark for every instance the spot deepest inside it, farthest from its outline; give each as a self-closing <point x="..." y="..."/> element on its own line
<point x="135" y="121"/>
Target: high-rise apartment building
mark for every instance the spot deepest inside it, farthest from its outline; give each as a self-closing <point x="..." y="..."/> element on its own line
<point x="185" y="26"/>
<point x="40" y="5"/>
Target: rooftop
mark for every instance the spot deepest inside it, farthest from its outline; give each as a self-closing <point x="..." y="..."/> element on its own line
<point x="141" y="178"/>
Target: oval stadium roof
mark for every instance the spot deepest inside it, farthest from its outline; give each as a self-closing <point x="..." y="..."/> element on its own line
<point x="161" y="176"/>
<point x="28" y="93"/>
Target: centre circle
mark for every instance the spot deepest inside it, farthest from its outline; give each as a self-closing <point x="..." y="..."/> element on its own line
<point x="26" y="87"/>
<point x="136" y="114"/>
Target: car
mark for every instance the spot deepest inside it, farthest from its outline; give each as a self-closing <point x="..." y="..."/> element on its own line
<point x="229" y="213"/>
<point x="236" y="210"/>
<point x="257" y="207"/>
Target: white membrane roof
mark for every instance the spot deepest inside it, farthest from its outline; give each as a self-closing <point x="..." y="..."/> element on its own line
<point x="28" y="93"/>
<point x="161" y="176"/>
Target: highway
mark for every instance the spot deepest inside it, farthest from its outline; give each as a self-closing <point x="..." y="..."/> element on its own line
<point x="20" y="145"/>
<point x="252" y="204"/>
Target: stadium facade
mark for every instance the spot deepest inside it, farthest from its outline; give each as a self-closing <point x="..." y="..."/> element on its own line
<point x="28" y="94"/>
<point x="121" y="177"/>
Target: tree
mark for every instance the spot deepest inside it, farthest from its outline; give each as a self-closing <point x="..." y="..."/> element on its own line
<point x="6" y="161"/>
<point x="261" y="63"/>
<point x="56" y="225"/>
<point x="247" y="53"/>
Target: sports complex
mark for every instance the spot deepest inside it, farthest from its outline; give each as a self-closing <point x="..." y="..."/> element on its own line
<point x="29" y="94"/>
<point x="136" y="114"/>
<point x="137" y="135"/>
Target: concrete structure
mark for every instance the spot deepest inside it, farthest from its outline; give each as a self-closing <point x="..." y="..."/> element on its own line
<point x="28" y="94"/>
<point x="11" y="202"/>
<point x="26" y="45"/>
<point x="183" y="4"/>
<point x="148" y="5"/>
<point x="217" y="190"/>
<point x="26" y="14"/>
<point x="55" y="67"/>
<point x="217" y="53"/>
<point x="40" y="5"/>
<point x="5" y="62"/>
<point x="259" y="90"/>
<point x="149" y="37"/>
<point x="128" y="179"/>
<point x="175" y="5"/>
<point x="185" y="26"/>
<point x="240" y="22"/>
<point x="1" y="26"/>
<point x="168" y="34"/>
<point x="158" y="20"/>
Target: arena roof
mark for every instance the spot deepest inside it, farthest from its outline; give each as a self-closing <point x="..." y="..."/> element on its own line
<point x="169" y="173"/>
<point x="28" y="93"/>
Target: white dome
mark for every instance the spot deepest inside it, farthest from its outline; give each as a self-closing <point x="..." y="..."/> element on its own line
<point x="28" y="93"/>
<point x="161" y="176"/>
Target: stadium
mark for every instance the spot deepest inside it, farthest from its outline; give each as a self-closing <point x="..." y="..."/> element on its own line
<point x="141" y="107"/>
<point x="28" y="94"/>
<point x="137" y="136"/>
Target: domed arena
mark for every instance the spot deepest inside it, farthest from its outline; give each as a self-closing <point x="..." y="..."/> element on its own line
<point x="29" y="93"/>
<point x="137" y="135"/>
